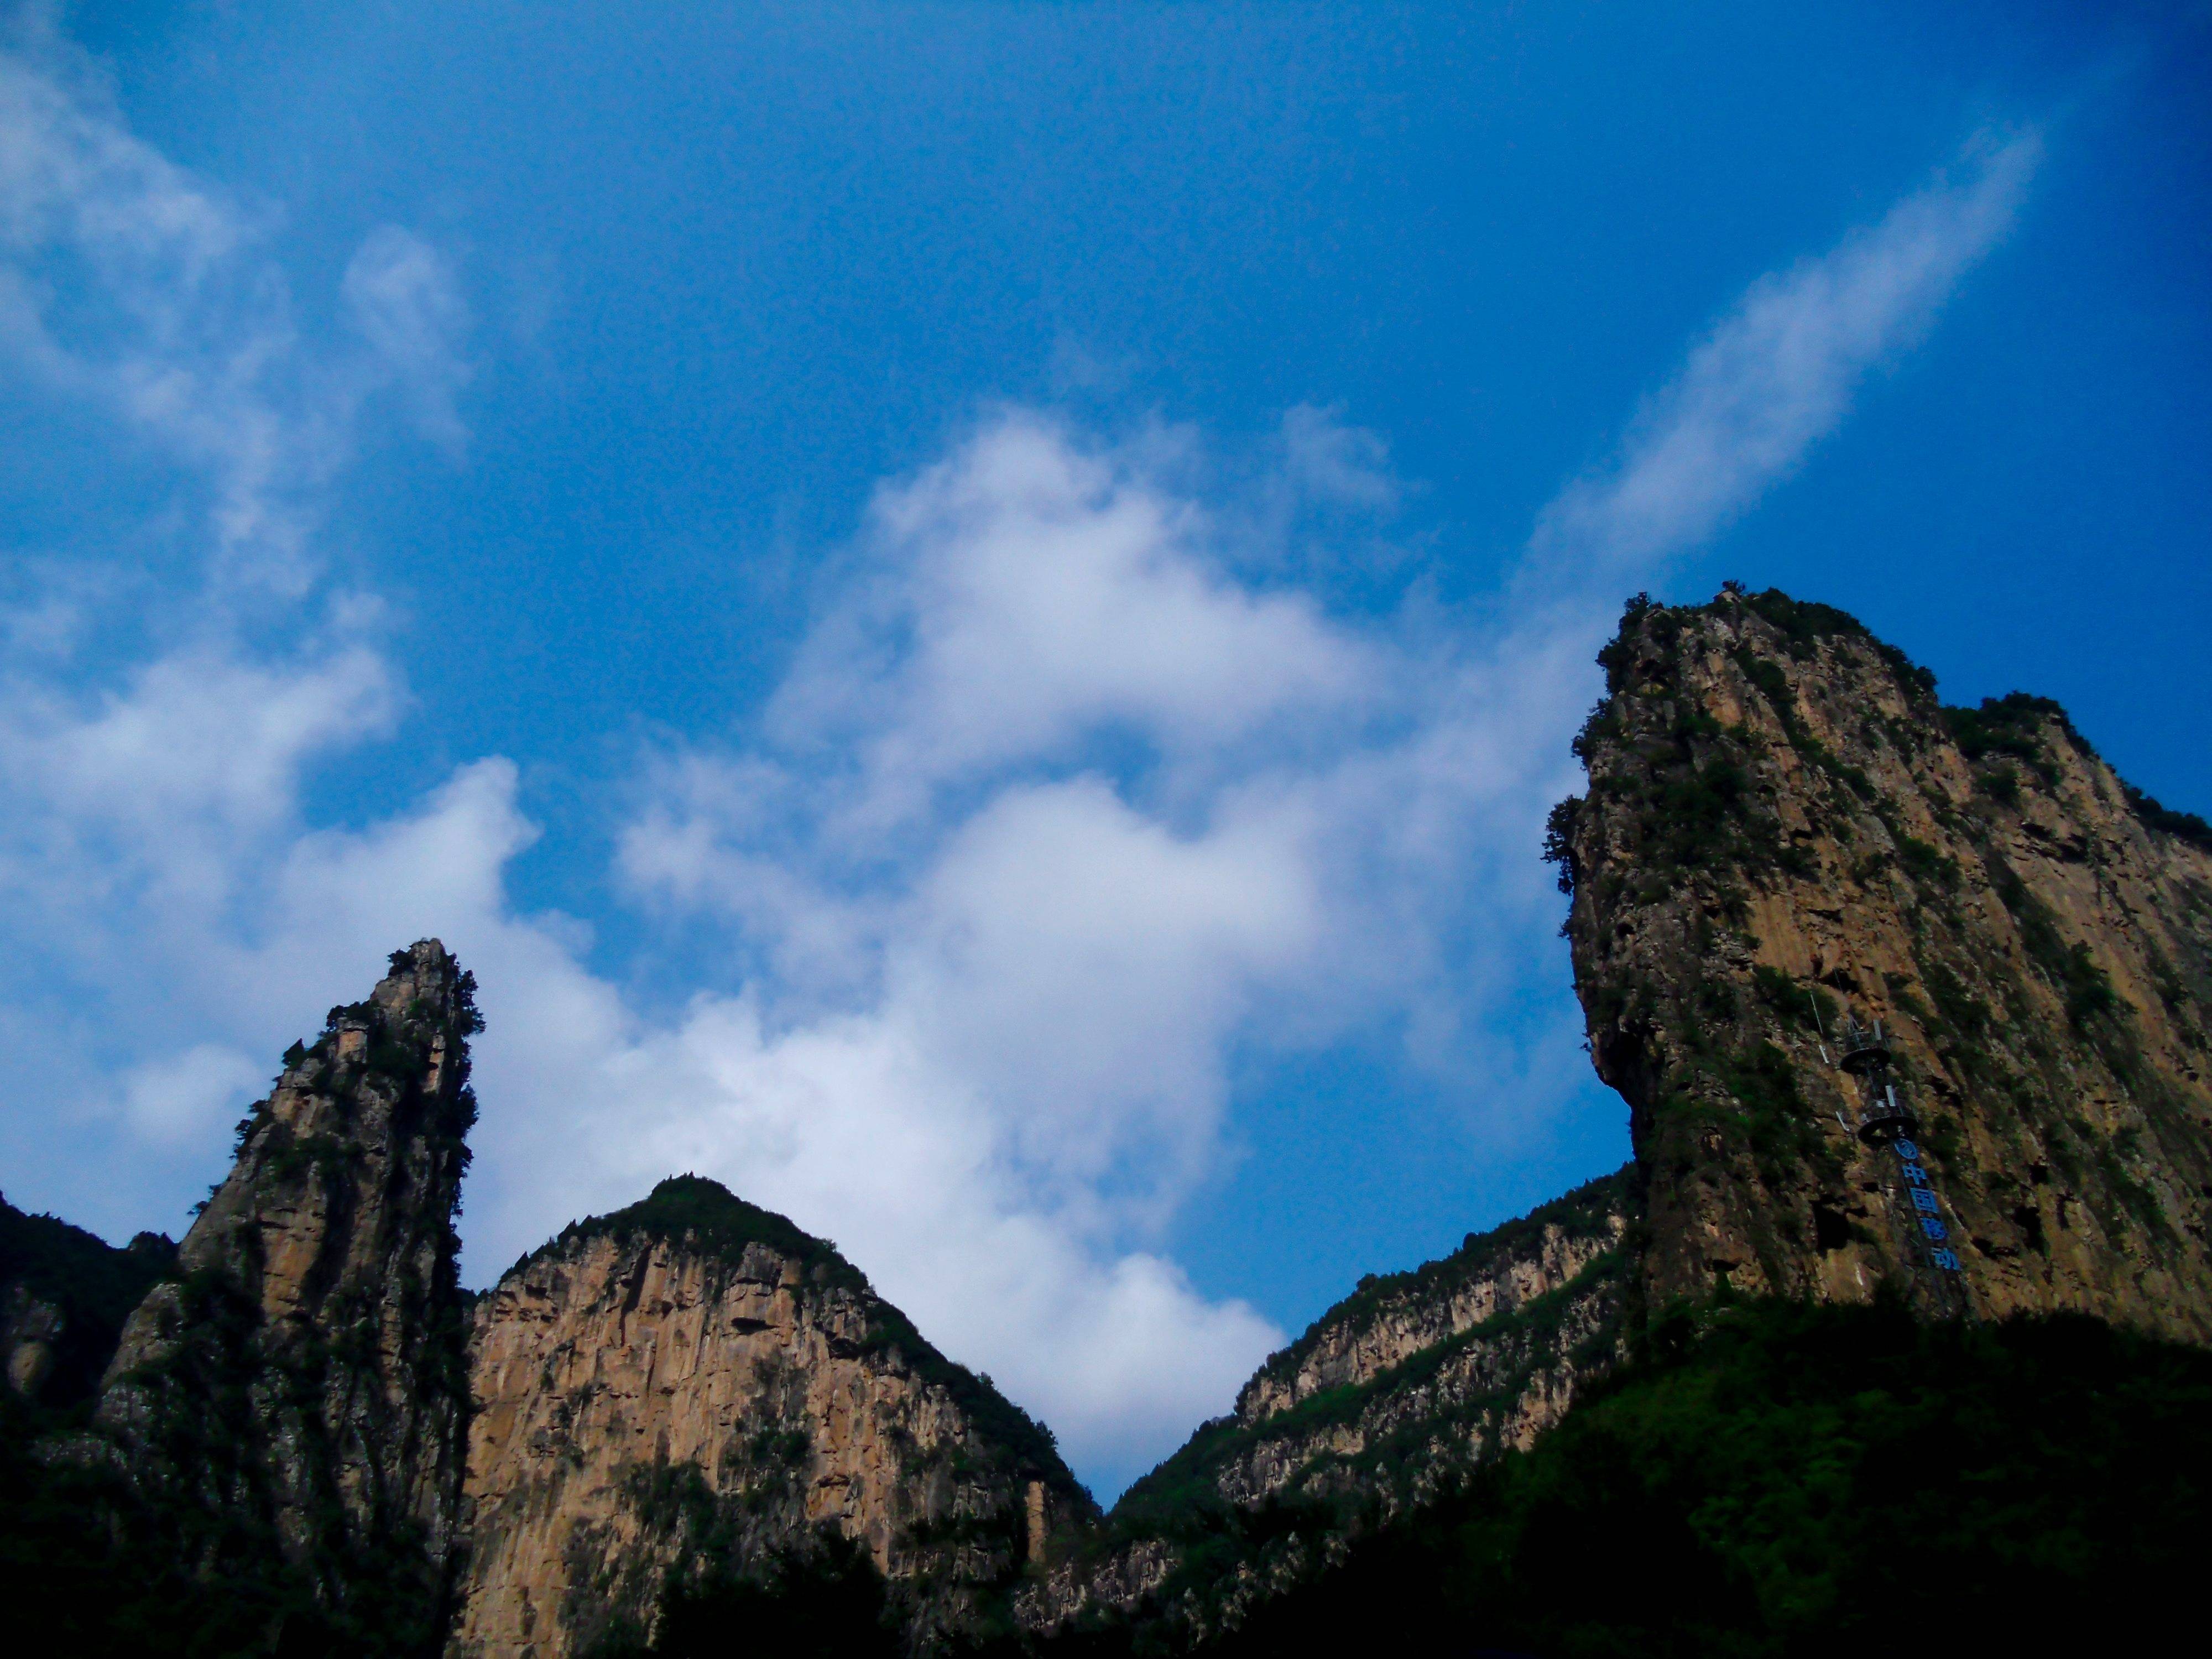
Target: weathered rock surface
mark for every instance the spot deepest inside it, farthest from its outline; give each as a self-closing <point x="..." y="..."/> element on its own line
<point x="683" y="1388"/>
<point x="1401" y="1388"/>
<point x="300" y="1387"/>
<point x="1418" y="1375"/>
<point x="1784" y="827"/>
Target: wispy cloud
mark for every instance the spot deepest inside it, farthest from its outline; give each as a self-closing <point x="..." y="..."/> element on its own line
<point x="401" y="295"/>
<point x="1778" y="374"/>
<point x="127" y="282"/>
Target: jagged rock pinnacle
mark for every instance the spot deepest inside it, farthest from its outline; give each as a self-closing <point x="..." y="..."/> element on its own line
<point x="300" y="1387"/>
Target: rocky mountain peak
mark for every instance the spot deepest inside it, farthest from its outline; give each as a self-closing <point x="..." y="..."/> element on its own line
<point x="297" y="1391"/>
<point x="1907" y="1004"/>
<point x="693" y="1391"/>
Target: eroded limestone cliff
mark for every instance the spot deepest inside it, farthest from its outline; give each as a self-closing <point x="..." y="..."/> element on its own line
<point x="1786" y="836"/>
<point x="1785" y="829"/>
<point x="298" y="1390"/>
<point x="1390" y="1319"/>
<point x="680" y="1391"/>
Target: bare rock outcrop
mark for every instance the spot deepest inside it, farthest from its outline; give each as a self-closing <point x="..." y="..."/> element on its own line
<point x="1786" y="837"/>
<point x="1785" y="831"/>
<point x="1787" y="845"/>
<point x="688" y="1388"/>
<point x="297" y="1392"/>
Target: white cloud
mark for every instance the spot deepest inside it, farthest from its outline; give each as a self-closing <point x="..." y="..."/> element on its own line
<point x="1062" y="818"/>
<point x="1030" y="592"/>
<point x="206" y="734"/>
<point x="193" y="1095"/>
<point x="1329" y="461"/>
<point x="172" y="788"/>
<point x="1068" y="816"/>
<point x="124" y="281"/>
<point x="1056" y="822"/>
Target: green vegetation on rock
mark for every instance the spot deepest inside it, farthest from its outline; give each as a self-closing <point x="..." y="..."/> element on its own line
<point x="91" y="1285"/>
<point x="1778" y="1479"/>
<point x="709" y="1218"/>
<point x="1585" y="1212"/>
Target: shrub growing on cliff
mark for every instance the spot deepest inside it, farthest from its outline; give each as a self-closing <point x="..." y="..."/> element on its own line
<point x="2187" y="825"/>
<point x="1559" y="840"/>
<point x="2010" y="727"/>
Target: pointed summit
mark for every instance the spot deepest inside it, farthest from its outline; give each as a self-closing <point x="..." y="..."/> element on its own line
<point x="298" y="1393"/>
<point x="692" y="1398"/>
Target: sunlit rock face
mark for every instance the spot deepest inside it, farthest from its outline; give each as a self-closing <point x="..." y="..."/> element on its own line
<point x="300" y="1387"/>
<point x="691" y="1386"/>
<point x="1785" y="829"/>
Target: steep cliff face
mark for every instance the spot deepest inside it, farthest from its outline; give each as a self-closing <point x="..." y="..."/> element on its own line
<point x="1900" y="997"/>
<point x="1390" y="1397"/>
<point x="298" y="1391"/>
<point x="1417" y="1376"/>
<point x="1785" y="831"/>
<point x="680" y="1392"/>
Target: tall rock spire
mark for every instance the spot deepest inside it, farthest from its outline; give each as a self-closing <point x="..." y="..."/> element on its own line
<point x="1898" y="995"/>
<point x="298" y="1392"/>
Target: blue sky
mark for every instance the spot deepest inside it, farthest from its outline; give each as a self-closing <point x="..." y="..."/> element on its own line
<point x="969" y="612"/>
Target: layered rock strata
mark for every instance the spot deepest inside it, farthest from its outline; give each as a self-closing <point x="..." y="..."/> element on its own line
<point x="1400" y="1389"/>
<point x="298" y="1391"/>
<point x="680" y="1391"/>
<point x="1786" y="830"/>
